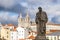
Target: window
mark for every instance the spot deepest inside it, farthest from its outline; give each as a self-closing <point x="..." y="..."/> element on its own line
<point x="17" y="31"/>
<point x="7" y="36"/>
<point x="11" y="29"/>
<point x="54" y="38"/>
<point x="22" y="31"/>
<point x="22" y="34"/>
<point x="0" y="27"/>
<point x="7" y="28"/>
<point x="12" y="37"/>
<point x="51" y="38"/>
<point x="47" y="37"/>
<point x="17" y="36"/>
<point x="7" y="32"/>
<point x="12" y="33"/>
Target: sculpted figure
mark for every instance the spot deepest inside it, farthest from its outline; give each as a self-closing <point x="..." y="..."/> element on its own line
<point x="41" y="20"/>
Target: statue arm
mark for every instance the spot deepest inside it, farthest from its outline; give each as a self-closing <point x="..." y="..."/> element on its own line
<point x="46" y="17"/>
<point x="36" y="19"/>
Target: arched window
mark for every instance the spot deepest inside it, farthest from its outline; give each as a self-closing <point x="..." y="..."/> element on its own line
<point x="47" y="37"/>
<point x="54" y="38"/>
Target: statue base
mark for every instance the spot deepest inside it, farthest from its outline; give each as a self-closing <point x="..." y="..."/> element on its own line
<point x="41" y="38"/>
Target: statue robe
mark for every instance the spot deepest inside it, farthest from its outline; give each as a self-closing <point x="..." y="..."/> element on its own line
<point x="41" y="20"/>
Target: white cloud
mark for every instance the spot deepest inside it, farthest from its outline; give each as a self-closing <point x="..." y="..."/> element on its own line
<point x="7" y="3"/>
<point x="5" y="16"/>
<point x="56" y="19"/>
<point x="41" y="1"/>
<point x="24" y="4"/>
<point x="52" y="8"/>
<point x="13" y="18"/>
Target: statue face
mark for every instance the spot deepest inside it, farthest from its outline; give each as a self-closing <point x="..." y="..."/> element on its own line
<point x="40" y="9"/>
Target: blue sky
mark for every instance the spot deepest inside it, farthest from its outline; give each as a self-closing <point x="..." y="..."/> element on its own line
<point x="10" y="9"/>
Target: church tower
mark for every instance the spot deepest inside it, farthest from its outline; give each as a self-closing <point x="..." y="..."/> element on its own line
<point x="27" y="20"/>
<point x="20" y="20"/>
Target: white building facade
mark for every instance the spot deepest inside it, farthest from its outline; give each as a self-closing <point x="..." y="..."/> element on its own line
<point x="13" y="35"/>
<point x="22" y="33"/>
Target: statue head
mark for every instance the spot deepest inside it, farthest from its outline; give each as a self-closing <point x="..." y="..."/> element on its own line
<point x="40" y="9"/>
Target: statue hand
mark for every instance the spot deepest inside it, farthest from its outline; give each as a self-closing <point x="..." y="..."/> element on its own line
<point x="36" y="22"/>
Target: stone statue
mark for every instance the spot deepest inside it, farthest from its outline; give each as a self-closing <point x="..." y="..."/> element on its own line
<point x="41" y="20"/>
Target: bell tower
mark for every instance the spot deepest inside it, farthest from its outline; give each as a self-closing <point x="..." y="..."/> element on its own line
<point x="20" y="20"/>
<point x="27" y="20"/>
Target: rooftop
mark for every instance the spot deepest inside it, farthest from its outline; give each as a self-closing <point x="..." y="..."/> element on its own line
<point x="54" y="33"/>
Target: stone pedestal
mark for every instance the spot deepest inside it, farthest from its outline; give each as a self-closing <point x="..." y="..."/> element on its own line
<point x="41" y="38"/>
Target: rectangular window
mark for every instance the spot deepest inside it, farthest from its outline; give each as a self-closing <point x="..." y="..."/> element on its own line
<point x="12" y="37"/>
<point x="54" y="38"/>
<point x="7" y="32"/>
<point x="7" y="36"/>
<point x="22" y="31"/>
